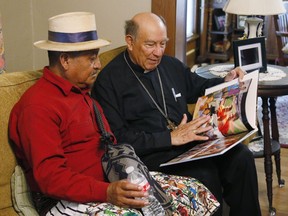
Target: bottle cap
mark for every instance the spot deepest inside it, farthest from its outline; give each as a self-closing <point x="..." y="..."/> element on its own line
<point x="129" y="169"/>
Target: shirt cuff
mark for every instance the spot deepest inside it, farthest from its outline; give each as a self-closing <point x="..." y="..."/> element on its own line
<point x="101" y="191"/>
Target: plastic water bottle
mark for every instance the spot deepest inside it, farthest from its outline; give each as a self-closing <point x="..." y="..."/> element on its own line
<point x="154" y="207"/>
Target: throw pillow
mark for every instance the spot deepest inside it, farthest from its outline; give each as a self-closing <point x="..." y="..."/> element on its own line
<point x="21" y="196"/>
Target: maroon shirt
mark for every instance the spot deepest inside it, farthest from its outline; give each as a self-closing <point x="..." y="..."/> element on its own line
<point x="57" y="141"/>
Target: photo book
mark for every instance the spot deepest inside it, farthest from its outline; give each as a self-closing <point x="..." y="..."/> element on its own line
<point x="232" y="109"/>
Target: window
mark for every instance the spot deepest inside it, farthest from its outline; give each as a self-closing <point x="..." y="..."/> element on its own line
<point x="191" y="18"/>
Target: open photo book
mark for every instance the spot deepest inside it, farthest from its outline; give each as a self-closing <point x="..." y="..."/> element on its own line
<point x="232" y="108"/>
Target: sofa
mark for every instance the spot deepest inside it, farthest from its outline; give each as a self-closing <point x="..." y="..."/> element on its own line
<point x="12" y="86"/>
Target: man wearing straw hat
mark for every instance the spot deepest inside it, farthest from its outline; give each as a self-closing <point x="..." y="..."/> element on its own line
<point x="53" y="128"/>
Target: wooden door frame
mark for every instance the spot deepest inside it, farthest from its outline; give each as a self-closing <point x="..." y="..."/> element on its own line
<point x="174" y="12"/>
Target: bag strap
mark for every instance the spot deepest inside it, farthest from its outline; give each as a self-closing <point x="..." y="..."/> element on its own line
<point x="106" y="137"/>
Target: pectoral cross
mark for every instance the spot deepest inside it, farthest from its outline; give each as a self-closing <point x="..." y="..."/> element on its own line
<point x="171" y="125"/>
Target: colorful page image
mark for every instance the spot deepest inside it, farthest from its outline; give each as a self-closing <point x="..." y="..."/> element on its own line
<point x="226" y="108"/>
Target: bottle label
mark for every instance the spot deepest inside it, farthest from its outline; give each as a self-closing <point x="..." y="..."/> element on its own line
<point x="145" y="185"/>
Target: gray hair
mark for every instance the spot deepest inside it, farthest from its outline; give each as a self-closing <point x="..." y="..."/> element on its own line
<point x="131" y="28"/>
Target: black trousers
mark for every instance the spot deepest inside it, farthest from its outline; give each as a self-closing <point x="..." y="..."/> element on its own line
<point x="231" y="176"/>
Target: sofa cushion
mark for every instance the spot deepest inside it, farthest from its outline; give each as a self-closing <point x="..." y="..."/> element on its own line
<point x="12" y="86"/>
<point x="21" y="196"/>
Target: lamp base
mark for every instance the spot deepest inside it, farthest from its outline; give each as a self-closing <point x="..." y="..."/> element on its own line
<point x="253" y="27"/>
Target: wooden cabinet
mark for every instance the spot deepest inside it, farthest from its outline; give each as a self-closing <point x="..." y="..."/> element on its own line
<point x="219" y="33"/>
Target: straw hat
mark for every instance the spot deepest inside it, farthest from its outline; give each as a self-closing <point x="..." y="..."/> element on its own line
<point x="74" y="31"/>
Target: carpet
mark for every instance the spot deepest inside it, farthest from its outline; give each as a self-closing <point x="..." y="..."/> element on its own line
<point x="282" y="119"/>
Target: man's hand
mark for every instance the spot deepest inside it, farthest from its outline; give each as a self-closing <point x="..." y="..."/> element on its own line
<point x="122" y="193"/>
<point x="191" y="131"/>
<point x="236" y="72"/>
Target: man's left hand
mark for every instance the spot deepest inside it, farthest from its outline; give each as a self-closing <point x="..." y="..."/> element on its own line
<point x="236" y="72"/>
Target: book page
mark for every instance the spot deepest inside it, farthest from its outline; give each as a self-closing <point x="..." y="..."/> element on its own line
<point x="251" y="95"/>
<point x="227" y="107"/>
<point x="232" y="107"/>
<point x="210" y="148"/>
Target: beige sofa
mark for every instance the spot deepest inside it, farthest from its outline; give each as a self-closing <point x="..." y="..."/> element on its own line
<point x="12" y="86"/>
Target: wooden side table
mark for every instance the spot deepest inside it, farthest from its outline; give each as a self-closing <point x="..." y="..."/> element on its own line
<point x="268" y="91"/>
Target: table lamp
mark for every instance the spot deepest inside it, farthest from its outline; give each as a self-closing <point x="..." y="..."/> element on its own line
<point x="252" y="8"/>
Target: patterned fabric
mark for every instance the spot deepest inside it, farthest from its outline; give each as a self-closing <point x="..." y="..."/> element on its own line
<point x="90" y="209"/>
<point x="189" y="198"/>
<point x="120" y="156"/>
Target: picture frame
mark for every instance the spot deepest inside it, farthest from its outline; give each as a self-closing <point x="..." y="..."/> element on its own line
<point x="220" y="22"/>
<point x="241" y="19"/>
<point x="250" y="54"/>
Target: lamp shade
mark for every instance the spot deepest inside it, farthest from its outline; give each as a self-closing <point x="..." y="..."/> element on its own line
<point x="254" y="7"/>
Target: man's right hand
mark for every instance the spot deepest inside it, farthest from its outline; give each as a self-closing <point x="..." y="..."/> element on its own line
<point x="123" y="193"/>
<point x="190" y="131"/>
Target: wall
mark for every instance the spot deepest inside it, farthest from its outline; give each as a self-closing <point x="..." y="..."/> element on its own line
<point x="25" y="22"/>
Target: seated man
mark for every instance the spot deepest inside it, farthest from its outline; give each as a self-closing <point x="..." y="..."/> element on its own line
<point x="144" y="95"/>
<point x="56" y="138"/>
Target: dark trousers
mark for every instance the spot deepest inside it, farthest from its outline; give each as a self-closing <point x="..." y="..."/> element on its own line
<point x="231" y="176"/>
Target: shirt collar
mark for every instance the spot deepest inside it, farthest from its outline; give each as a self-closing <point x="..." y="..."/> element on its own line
<point x="134" y="66"/>
<point x="62" y="83"/>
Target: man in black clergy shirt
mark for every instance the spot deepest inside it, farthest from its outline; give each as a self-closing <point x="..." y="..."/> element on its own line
<point x="144" y="95"/>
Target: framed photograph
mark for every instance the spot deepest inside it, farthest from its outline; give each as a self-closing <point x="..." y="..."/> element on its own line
<point x="241" y="21"/>
<point x="220" y="22"/>
<point x="250" y="54"/>
<point x="219" y="19"/>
